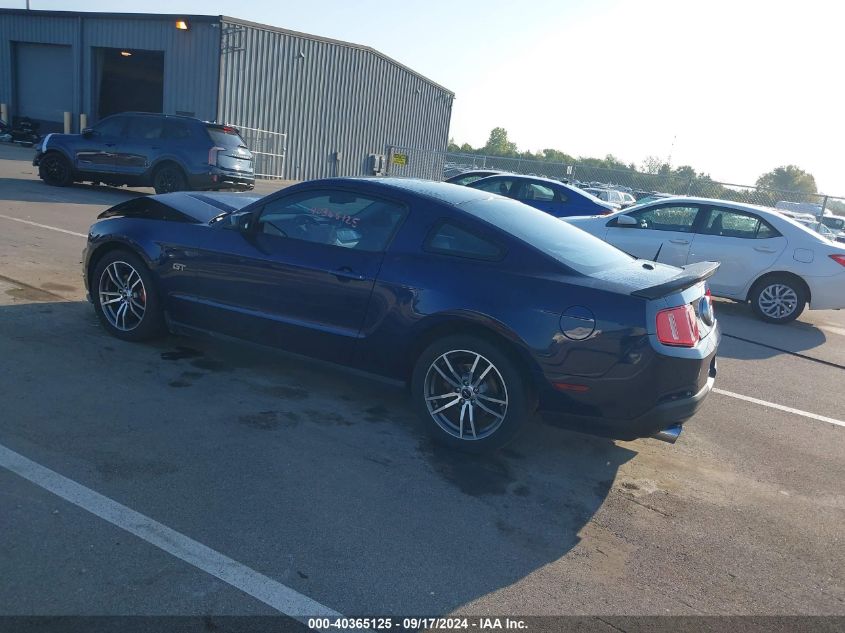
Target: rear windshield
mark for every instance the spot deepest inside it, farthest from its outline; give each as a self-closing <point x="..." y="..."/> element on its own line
<point x="572" y="247"/>
<point x="226" y="137"/>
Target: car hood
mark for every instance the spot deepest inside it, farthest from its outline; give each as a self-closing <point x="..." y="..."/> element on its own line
<point x="195" y="207"/>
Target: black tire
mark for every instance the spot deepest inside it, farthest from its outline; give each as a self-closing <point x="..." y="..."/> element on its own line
<point x="55" y="170"/>
<point x="169" y="178"/>
<point x="485" y="431"/>
<point x="104" y="288"/>
<point x="778" y="299"/>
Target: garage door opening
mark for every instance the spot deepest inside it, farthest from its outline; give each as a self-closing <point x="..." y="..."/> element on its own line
<point x="43" y="84"/>
<point x="128" y="80"/>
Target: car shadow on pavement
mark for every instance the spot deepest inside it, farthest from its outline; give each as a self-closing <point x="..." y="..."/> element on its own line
<point x="29" y="190"/>
<point x="318" y="477"/>
<point x="748" y="338"/>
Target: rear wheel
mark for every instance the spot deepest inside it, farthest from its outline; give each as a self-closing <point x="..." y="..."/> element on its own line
<point x="125" y="297"/>
<point x="778" y="299"/>
<point x="169" y="178"/>
<point x="55" y="170"/>
<point x="469" y="394"/>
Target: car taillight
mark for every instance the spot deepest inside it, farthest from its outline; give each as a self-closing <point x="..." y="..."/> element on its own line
<point x="709" y="296"/>
<point x="839" y="259"/>
<point x="212" y="155"/>
<point x="678" y="326"/>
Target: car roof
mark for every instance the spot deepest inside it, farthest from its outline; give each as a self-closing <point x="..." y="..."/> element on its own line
<point x="551" y="181"/>
<point x="446" y="192"/>
<point x="164" y="116"/>
<point x="739" y="206"/>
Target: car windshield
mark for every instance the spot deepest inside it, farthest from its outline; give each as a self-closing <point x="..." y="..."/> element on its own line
<point x="571" y="246"/>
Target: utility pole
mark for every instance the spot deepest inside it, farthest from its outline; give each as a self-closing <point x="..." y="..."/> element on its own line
<point x="671" y="150"/>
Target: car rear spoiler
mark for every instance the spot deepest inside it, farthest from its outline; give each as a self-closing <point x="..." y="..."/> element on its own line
<point x="690" y="275"/>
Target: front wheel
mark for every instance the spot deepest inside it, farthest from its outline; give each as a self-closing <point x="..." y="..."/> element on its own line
<point x="125" y="297"/>
<point x="55" y="170"/>
<point x="778" y="299"/>
<point x="469" y="394"/>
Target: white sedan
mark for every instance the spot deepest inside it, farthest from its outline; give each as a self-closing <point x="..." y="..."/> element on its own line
<point x="766" y="258"/>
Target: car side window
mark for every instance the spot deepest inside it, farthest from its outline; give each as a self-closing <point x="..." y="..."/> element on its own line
<point x="536" y="191"/>
<point x="666" y="218"/>
<point x="502" y="186"/>
<point x="111" y="127"/>
<point x="175" y="129"/>
<point x="730" y="223"/>
<point x="450" y="239"/>
<point x="336" y="218"/>
<point x="145" y="128"/>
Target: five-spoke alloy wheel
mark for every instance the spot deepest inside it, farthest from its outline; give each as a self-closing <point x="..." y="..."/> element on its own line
<point x="466" y="394"/>
<point x="125" y="298"/>
<point x="469" y="393"/>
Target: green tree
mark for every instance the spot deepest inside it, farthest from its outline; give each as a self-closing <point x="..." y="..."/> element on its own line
<point x="452" y="146"/>
<point x="555" y="156"/>
<point x="652" y="164"/>
<point x="788" y="178"/>
<point x="498" y="143"/>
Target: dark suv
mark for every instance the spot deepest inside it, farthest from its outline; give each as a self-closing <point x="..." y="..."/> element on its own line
<point x="169" y="153"/>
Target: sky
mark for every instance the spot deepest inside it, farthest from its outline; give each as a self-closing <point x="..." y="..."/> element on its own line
<point x="733" y="88"/>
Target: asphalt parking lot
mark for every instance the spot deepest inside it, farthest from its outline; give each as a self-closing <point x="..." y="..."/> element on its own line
<point x="318" y="484"/>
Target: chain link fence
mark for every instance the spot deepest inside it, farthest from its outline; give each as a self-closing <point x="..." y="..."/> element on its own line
<point x="432" y="165"/>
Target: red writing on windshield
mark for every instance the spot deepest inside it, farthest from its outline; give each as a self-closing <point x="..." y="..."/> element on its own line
<point x="329" y="213"/>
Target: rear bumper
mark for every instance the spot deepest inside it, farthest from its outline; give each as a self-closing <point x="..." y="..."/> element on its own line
<point x="663" y="413"/>
<point x="217" y="178"/>
<point x="827" y="293"/>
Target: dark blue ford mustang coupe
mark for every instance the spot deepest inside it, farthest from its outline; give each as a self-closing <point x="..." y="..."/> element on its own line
<point x="489" y="308"/>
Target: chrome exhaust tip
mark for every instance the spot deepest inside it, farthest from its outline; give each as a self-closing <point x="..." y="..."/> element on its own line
<point x="669" y="435"/>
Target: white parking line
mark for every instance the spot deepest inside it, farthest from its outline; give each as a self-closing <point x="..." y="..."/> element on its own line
<point x="42" y="226"/>
<point x="779" y="407"/>
<point x="278" y="596"/>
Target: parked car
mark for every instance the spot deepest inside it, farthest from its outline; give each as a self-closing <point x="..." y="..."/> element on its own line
<point x="619" y="199"/>
<point x="835" y="223"/>
<point x="823" y="230"/>
<point x="767" y="259"/>
<point x="169" y="153"/>
<point x="551" y="196"/>
<point x="489" y="309"/>
<point x="467" y="177"/>
<point x="653" y="196"/>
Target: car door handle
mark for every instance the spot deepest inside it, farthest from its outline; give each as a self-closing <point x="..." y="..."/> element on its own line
<point x="345" y="273"/>
<point x="679" y="241"/>
<point x="764" y="249"/>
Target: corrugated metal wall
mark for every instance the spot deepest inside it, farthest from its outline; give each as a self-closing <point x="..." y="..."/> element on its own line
<point x="191" y="58"/>
<point x="330" y="98"/>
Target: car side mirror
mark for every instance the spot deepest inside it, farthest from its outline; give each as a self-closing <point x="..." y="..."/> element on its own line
<point x="88" y="132"/>
<point x="243" y="221"/>
<point x="626" y="220"/>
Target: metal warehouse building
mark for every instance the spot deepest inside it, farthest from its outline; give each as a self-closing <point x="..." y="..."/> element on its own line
<point x="310" y="106"/>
